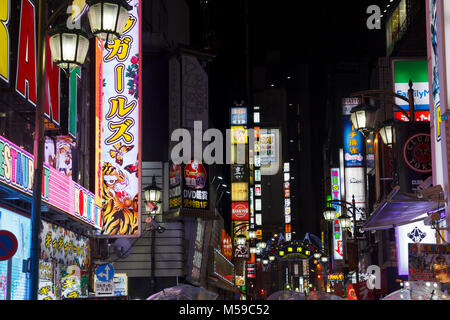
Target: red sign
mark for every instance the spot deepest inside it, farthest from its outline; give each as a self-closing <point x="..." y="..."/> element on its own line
<point x="419" y="115"/>
<point x="195" y="175"/>
<point x="239" y="211"/>
<point x="226" y="246"/>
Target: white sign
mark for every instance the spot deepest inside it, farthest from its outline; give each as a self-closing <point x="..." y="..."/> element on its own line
<point x="104" y="288"/>
<point x="354" y="186"/>
<point x="416" y="232"/>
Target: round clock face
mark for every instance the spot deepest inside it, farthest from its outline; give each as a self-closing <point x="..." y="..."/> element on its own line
<point x="417" y="153"/>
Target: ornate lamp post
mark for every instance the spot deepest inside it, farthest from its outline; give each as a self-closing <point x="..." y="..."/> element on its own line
<point x="69" y="48"/>
<point x="345" y="222"/>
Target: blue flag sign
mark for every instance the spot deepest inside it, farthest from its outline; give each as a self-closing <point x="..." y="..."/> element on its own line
<point x="104" y="272"/>
<point x="8" y="245"/>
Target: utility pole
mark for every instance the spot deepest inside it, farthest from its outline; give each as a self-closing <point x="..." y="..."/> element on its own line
<point x="38" y="151"/>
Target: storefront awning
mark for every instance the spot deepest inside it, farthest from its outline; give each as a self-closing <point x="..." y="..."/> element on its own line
<point x="398" y="208"/>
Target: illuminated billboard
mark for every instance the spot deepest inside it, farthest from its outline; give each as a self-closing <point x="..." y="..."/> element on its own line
<point x="417" y="72"/>
<point x="121" y="126"/>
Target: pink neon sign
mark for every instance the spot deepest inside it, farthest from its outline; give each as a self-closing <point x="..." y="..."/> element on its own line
<point x="59" y="191"/>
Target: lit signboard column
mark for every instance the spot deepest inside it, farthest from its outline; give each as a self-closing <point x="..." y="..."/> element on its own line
<point x="354" y="154"/>
<point x="287" y="201"/>
<point x="121" y="127"/>
<point x="338" y="249"/>
<point x="240" y="189"/>
<point x="437" y="11"/>
<point x="256" y="174"/>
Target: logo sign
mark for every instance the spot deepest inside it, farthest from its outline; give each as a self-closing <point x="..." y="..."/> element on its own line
<point x="417" y="72"/>
<point x="8" y="245"/>
<point x="105" y="272"/>
<point x="417" y="153"/>
<point x="238" y="116"/>
<point x="239" y="211"/>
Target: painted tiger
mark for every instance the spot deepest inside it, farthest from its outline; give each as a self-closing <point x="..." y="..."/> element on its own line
<point x="120" y="212"/>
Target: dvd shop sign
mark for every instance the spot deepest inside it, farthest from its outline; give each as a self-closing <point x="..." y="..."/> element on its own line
<point x="240" y="211"/>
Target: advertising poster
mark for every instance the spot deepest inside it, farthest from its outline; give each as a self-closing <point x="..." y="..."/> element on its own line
<point x="195" y="186"/>
<point x="240" y="251"/>
<point x="429" y="262"/>
<point x="65" y="151"/>
<point x="270" y="151"/>
<point x="174" y="186"/>
<point x="395" y="26"/>
<point x="353" y="145"/>
<point x="64" y="246"/>
<point x="121" y="142"/>
<point x="239" y="135"/>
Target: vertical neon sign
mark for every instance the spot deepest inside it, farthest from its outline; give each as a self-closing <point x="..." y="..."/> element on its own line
<point x="121" y="117"/>
<point x="338" y="250"/>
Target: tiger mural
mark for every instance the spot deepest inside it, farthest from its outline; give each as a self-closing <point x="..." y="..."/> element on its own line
<point x="120" y="212"/>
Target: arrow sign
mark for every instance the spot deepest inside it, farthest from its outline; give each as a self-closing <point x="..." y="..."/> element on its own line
<point x="105" y="272"/>
<point x="8" y="245"/>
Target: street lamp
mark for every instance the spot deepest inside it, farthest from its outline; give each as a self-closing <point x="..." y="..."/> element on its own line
<point x="387" y="133"/>
<point x="330" y="214"/>
<point x="152" y="195"/>
<point x="241" y="240"/>
<point x="152" y="192"/>
<point x="363" y="118"/>
<point x="68" y="47"/>
<point x="345" y="222"/>
<point x="108" y="18"/>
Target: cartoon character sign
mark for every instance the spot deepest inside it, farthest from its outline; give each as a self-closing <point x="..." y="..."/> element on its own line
<point x="195" y="175"/>
<point x="64" y="146"/>
<point x="120" y="209"/>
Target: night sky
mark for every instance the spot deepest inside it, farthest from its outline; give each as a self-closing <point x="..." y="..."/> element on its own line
<point x="321" y="34"/>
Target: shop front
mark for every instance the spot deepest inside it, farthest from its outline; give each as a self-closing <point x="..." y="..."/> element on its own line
<point x="69" y="219"/>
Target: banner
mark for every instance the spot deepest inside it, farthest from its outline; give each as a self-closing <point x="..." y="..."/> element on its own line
<point x="429" y="262"/>
<point x="121" y="124"/>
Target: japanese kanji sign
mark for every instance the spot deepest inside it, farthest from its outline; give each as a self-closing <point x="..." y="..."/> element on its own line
<point x="120" y="130"/>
